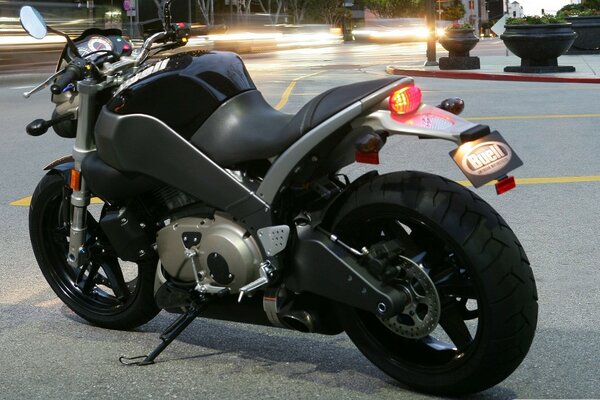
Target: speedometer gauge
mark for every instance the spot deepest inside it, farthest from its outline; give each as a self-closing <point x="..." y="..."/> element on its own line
<point x="93" y="44"/>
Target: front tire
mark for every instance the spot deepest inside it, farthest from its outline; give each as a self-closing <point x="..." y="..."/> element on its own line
<point x="105" y="291"/>
<point x="481" y="273"/>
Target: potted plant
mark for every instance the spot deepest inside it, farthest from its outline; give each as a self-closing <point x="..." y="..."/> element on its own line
<point x="459" y="40"/>
<point x="538" y="41"/>
<point x="586" y="23"/>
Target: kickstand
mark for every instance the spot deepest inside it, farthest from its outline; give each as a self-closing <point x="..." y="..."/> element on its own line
<point x="168" y="335"/>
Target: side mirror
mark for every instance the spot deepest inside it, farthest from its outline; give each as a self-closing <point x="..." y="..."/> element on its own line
<point x="33" y="22"/>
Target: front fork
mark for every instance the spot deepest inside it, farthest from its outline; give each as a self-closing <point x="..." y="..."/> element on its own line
<point x="80" y="197"/>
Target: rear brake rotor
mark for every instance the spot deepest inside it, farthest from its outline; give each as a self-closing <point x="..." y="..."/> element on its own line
<point x="422" y="314"/>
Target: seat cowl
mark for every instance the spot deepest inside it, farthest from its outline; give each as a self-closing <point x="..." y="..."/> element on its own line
<point x="333" y="101"/>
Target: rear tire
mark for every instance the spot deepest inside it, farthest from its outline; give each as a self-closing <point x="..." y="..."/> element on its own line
<point x="482" y="275"/>
<point x="103" y="292"/>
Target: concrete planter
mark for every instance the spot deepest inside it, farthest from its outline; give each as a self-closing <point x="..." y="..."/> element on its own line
<point x="459" y="42"/>
<point x="539" y="46"/>
<point x="588" y="35"/>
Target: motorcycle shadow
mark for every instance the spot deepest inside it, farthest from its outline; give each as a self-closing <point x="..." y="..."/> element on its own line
<point x="330" y="361"/>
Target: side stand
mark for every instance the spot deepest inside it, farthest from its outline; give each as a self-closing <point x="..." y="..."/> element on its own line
<point x="168" y="335"/>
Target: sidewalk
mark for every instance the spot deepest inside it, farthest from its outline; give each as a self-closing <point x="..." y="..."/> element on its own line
<point x="587" y="69"/>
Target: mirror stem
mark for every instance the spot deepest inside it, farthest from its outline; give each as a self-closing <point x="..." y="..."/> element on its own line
<point x="167" y="15"/>
<point x="70" y="42"/>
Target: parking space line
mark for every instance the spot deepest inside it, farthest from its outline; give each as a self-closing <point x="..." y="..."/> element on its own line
<point x="549" y="180"/>
<point x="288" y="91"/>
<point x="26" y="201"/>
<point x="550" y="116"/>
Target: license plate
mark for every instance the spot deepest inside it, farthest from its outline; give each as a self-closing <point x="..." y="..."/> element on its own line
<point x="486" y="159"/>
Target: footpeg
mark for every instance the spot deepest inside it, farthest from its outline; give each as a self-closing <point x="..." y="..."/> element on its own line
<point x="266" y="272"/>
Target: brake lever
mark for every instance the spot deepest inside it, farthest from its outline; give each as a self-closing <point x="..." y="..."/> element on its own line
<point x="42" y="85"/>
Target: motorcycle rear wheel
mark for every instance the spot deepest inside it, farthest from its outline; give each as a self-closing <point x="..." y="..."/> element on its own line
<point x="483" y="278"/>
<point x="105" y="291"/>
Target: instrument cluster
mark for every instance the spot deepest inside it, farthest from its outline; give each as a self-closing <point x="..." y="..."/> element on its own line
<point x="95" y="43"/>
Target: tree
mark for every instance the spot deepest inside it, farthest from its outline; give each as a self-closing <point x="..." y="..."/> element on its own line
<point x="332" y="12"/>
<point x="396" y="8"/>
<point x="273" y="9"/>
<point x="207" y="8"/>
<point x="298" y="8"/>
<point x="594" y="4"/>
<point x="454" y="11"/>
<point x="159" y="7"/>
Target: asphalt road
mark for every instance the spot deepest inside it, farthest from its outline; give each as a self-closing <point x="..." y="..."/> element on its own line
<point x="47" y="352"/>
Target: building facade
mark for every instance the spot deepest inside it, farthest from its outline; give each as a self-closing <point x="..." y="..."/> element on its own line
<point x="515" y="10"/>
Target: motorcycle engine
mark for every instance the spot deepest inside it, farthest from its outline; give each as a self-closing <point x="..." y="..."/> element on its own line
<point x="228" y="256"/>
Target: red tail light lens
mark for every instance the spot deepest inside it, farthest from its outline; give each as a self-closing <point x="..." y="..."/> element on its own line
<point x="406" y="100"/>
<point x="505" y="184"/>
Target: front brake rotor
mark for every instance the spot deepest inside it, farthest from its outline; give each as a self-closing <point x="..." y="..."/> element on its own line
<point x="421" y="315"/>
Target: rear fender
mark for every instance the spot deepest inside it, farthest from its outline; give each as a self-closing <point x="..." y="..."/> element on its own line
<point x="336" y="203"/>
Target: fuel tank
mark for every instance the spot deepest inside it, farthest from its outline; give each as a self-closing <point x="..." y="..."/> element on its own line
<point x="184" y="90"/>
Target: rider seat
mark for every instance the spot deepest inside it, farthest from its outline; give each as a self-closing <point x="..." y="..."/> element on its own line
<point x="247" y="128"/>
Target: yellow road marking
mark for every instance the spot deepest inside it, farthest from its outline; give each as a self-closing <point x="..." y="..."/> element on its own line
<point x="543" y="181"/>
<point x="286" y="95"/>
<point x="26" y="201"/>
<point x="520" y="181"/>
<point x="555" y="116"/>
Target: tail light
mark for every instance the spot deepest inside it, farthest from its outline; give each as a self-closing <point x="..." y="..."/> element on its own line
<point x="405" y="100"/>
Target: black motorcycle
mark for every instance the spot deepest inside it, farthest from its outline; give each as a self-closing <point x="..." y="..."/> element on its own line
<point x="216" y="204"/>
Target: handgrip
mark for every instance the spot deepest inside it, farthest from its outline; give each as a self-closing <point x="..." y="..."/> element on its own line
<point x="72" y="73"/>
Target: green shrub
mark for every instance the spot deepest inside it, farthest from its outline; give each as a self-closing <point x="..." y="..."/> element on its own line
<point x="457" y="26"/>
<point x="536" y="20"/>
<point x="580" y="10"/>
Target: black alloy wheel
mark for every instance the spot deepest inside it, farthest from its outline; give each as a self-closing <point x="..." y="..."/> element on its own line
<point x="105" y="291"/>
<point x="487" y="295"/>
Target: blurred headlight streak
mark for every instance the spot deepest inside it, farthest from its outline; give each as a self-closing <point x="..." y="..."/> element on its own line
<point x="27" y="40"/>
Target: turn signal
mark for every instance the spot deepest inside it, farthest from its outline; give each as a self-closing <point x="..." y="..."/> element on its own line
<point x="75" y="181"/>
<point x="368" y="146"/>
<point x="405" y="100"/>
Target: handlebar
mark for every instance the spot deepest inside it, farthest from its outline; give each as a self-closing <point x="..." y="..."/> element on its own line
<point x="73" y="72"/>
<point x="76" y="70"/>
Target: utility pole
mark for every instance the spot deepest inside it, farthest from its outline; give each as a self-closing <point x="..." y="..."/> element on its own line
<point x="430" y="22"/>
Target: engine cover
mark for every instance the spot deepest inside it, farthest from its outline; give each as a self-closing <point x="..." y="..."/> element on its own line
<point x="228" y="255"/>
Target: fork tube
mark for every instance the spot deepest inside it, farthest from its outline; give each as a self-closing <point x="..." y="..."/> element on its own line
<point x="84" y="144"/>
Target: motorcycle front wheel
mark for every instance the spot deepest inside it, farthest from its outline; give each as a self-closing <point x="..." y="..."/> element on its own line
<point x="487" y="296"/>
<point x="105" y="291"/>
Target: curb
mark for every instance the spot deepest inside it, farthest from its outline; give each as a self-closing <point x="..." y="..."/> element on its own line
<point x="487" y="76"/>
